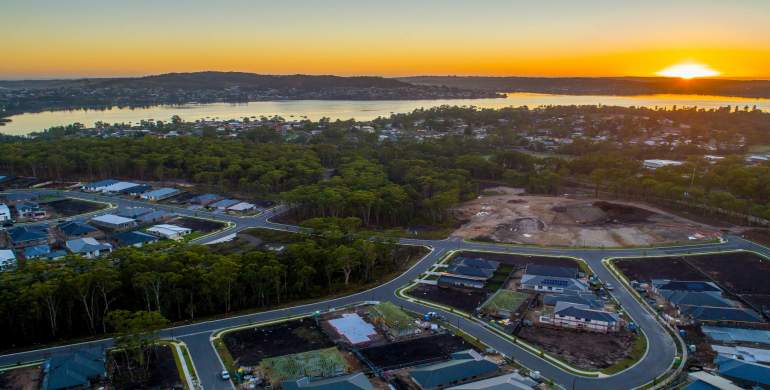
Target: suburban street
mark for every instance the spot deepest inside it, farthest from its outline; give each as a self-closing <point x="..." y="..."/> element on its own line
<point x="659" y="357"/>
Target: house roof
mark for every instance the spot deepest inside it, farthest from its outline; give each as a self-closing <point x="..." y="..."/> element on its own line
<point x="242" y="206"/>
<point x="346" y="382"/>
<point x="582" y="311"/>
<point x="754" y="355"/>
<point x="112" y="219"/>
<point x="4" y="209"/>
<point x="153" y="216"/>
<point x="511" y="381"/>
<point x="744" y="371"/>
<point x="683" y="285"/>
<point x="569" y="284"/>
<point x="696" y="298"/>
<point x="461" y="366"/>
<point x="101" y="183"/>
<point x="6" y="256"/>
<point x="133" y="212"/>
<point x="137" y="189"/>
<point x="707" y="313"/>
<point x="551" y="270"/>
<point x="28" y="233"/>
<point x="161" y="192"/>
<point x="477" y="262"/>
<point x="27" y="205"/>
<point x="731" y="335"/>
<point x="33" y="252"/>
<point x="133" y="238"/>
<point x="84" y="245"/>
<point x="73" y="369"/>
<point x="459" y="269"/>
<point x="76" y="228"/>
<point x="224" y="203"/>
<point x="710" y="381"/>
<point x="205" y="199"/>
<point x="552" y="299"/>
<point x="462" y="281"/>
<point x="119" y="186"/>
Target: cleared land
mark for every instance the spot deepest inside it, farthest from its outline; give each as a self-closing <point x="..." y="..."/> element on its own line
<point x="319" y="363"/>
<point x="68" y="207"/>
<point x="197" y="224"/>
<point x="466" y="301"/>
<point x="162" y="371"/>
<point x="504" y="215"/>
<point x="585" y="350"/>
<point x="413" y="352"/>
<point x="505" y="300"/>
<point x="27" y="378"/>
<point x="250" y="346"/>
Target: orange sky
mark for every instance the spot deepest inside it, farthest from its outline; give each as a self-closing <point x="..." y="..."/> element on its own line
<point x="48" y="38"/>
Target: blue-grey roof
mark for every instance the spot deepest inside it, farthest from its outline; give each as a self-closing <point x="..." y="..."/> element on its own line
<point x="731" y="335"/>
<point x="744" y="371"/>
<point x="205" y="198"/>
<point x="137" y="189"/>
<point x="36" y="251"/>
<point x="76" y="228"/>
<point x="700" y="385"/>
<point x="85" y="245"/>
<point x="101" y="183"/>
<point x="27" y="205"/>
<point x="161" y="192"/>
<point x="696" y="298"/>
<point x="28" y="233"/>
<point x="568" y="284"/>
<point x="73" y="370"/>
<point x="133" y="238"/>
<point x="345" y="382"/>
<point x="153" y="216"/>
<point x="582" y="311"/>
<point x="133" y="212"/>
<point x="551" y="299"/>
<point x="551" y="270"/>
<point x="460" y="367"/>
<point x="706" y="313"/>
<point x="225" y="203"/>
<point x="477" y="262"/>
<point x="459" y="269"/>
<point x="682" y="285"/>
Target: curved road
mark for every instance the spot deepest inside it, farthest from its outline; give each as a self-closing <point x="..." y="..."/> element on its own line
<point x="661" y="348"/>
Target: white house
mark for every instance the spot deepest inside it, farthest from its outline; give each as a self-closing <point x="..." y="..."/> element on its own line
<point x="657" y="163"/>
<point x="7" y="258"/>
<point x="242" y="207"/>
<point x="171" y="232"/>
<point x="5" y="213"/>
<point x="114" y="222"/>
<point x="577" y="316"/>
<point x="88" y="247"/>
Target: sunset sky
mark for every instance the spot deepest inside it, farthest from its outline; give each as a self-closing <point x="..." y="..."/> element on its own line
<point x="75" y="38"/>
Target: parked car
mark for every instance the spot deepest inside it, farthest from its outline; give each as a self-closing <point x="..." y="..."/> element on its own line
<point x="224" y="375"/>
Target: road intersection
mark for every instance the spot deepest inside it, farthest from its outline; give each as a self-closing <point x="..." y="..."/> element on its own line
<point x="658" y="359"/>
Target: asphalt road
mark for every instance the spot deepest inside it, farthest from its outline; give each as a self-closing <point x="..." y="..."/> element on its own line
<point x="661" y="348"/>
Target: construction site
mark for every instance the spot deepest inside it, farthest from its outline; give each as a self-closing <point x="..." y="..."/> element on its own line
<point x="506" y="215"/>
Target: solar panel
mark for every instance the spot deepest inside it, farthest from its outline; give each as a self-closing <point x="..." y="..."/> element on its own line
<point x="555" y="282"/>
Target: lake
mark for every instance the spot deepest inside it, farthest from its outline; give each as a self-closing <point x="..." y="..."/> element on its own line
<point x="347" y="109"/>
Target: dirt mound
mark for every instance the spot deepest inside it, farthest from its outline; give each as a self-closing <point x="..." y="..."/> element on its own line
<point x="606" y="348"/>
<point x="620" y="213"/>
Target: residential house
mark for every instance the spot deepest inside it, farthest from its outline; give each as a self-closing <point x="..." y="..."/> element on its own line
<point x="88" y="247"/>
<point x="114" y="222"/>
<point x="357" y="381"/>
<point x="153" y="217"/>
<point x="5" y="213"/>
<point x="30" y="211"/>
<point x="577" y="316"/>
<point x="160" y="194"/>
<point x="588" y="299"/>
<point x="136" y="190"/>
<point x="205" y="199"/>
<point x="119" y="187"/>
<point x="7" y="258"/>
<point x="702" y="302"/>
<point x="744" y="374"/>
<point x="461" y="283"/>
<point x="747" y="354"/>
<point x="133" y="212"/>
<point x="554" y="279"/>
<point x="171" y="232"/>
<point x="464" y="366"/>
<point x="719" y="314"/>
<point x="98" y="186"/>
<point x="136" y="239"/>
<point x="74" y="370"/>
<point x="76" y="229"/>
<point x="24" y="236"/>
<point x="657" y="163"/>
<point x="702" y="380"/>
<point x="510" y="381"/>
<point x="223" y="204"/>
<point x="242" y="207"/>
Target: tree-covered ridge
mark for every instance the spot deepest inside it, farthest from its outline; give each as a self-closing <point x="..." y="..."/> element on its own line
<point x="49" y="300"/>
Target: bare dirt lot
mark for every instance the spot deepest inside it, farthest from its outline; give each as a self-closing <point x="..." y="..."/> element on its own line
<point x="249" y="346"/>
<point x="68" y="207"/>
<point x="197" y="224"/>
<point x="466" y="301"/>
<point x="605" y="349"/>
<point x="505" y="215"/>
<point x="646" y="269"/>
<point x="162" y="373"/>
<point x="27" y="378"/>
<point x="417" y="351"/>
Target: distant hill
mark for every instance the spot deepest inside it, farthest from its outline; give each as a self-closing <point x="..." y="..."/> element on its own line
<point x="601" y="85"/>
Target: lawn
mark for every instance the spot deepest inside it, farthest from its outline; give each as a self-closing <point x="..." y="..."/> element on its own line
<point x="393" y="316"/>
<point x="505" y="300"/>
<point x="318" y="363"/>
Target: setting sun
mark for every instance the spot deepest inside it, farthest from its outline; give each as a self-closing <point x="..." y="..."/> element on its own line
<point x="688" y="71"/>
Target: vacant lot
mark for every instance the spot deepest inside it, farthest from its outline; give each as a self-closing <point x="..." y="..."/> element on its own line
<point x="68" y="207"/>
<point x="414" y="352"/>
<point x="466" y="301"/>
<point x="320" y="363"/>
<point x="197" y="224"/>
<point x="586" y="350"/>
<point x="504" y="215"/>
<point x="249" y="346"/>
<point x="162" y="373"/>
<point x="27" y="378"/>
<point x="645" y="269"/>
<point x="505" y="300"/>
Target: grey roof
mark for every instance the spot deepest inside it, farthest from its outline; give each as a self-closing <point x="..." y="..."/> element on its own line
<point x="76" y="228"/>
<point x="161" y="192"/>
<point x="729" y="335"/>
<point x="551" y="270"/>
<point x="28" y="233"/>
<point x="133" y="212"/>
<point x="137" y="189"/>
<point x="133" y="238"/>
<point x="462" y="366"/>
<point x="205" y="198"/>
<point x="460" y="269"/>
<point x="34" y="252"/>
<point x="582" y="311"/>
<point x="224" y="203"/>
<point x="739" y="370"/>
<point x="707" y="313"/>
<point x="153" y="216"/>
<point x="511" y="381"/>
<point x="112" y="219"/>
<point x="74" y="369"/>
<point x="346" y="382"/>
<point x="477" y="262"/>
<point x="582" y="299"/>
<point x="696" y="298"/>
<point x="568" y="284"/>
<point x="101" y="183"/>
<point x="85" y="245"/>
<point x="460" y="281"/>
<point x="684" y="285"/>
